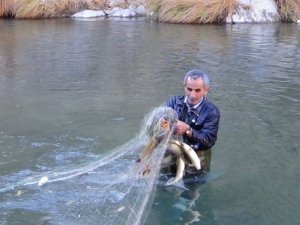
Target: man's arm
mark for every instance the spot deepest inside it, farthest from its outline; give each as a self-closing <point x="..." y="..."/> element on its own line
<point x="207" y="136"/>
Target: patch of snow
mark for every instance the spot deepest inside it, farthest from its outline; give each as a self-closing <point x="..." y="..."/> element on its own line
<point x="298" y="21"/>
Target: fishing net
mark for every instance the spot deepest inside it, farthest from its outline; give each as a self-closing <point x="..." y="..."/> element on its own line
<point x="114" y="189"/>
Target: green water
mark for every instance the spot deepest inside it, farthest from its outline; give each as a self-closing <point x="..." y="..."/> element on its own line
<point x="72" y="90"/>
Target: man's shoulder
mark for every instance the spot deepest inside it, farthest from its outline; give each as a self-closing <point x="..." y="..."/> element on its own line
<point x="212" y="107"/>
<point x="176" y="99"/>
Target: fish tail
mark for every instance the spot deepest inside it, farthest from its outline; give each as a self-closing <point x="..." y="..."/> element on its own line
<point x="147" y="151"/>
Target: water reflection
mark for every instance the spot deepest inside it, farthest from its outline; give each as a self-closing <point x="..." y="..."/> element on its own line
<point x="178" y="206"/>
<point x="8" y="43"/>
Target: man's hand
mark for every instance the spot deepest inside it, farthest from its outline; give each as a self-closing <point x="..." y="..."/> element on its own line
<point x="181" y="127"/>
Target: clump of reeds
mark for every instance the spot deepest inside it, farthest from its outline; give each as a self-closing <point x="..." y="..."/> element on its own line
<point x="31" y="9"/>
<point x="191" y="11"/>
<point x="289" y="10"/>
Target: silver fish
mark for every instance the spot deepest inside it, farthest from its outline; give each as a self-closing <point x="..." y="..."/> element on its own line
<point x="183" y="154"/>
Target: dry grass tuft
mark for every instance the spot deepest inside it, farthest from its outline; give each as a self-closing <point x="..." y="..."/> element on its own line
<point x="29" y="9"/>
<point x="34" y="9"/>
<point x="191" y="11"/>
<point x="6" y="8"/>
<point x="125" y="3"/>
<point x="289" y="10"/>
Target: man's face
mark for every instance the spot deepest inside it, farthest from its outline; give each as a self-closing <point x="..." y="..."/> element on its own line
<point x="195" y="90"/>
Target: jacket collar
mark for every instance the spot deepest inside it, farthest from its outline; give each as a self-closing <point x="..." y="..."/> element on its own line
<point x="196" y="108"/>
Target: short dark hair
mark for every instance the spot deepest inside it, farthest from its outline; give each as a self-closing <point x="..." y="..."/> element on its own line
<point x="195" y="74"/>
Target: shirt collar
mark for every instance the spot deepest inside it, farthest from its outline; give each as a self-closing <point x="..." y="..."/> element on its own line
<point x="194" y="107"/>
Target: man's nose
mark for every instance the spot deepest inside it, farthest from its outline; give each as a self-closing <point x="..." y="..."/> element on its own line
<point x="192" y="94"/>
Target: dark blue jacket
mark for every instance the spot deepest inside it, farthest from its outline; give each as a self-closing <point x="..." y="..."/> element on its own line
<point x="204" y="121"/>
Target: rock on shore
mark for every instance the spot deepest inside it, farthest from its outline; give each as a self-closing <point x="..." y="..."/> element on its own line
<point x="249" y="11"/>
<point x="131" y="11"/>
<point x="255" y="11"/>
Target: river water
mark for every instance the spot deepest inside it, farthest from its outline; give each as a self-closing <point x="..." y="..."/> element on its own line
<point x="71" y="90"/>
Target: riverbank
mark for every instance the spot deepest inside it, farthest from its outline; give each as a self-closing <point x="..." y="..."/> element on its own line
<point x="170" y="11"/>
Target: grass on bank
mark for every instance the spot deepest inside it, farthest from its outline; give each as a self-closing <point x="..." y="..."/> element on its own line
<point x="6" y="7"/>
<point x="289" y="10"/>
<point x="192" y="11"/>
<point x="177" y="11"/>
<point x="211" y="11"/>
<point x="32" y="9"/>
<point x="173" y="11"/>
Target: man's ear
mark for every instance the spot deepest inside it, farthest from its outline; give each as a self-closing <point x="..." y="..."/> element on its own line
<point x="206" y="90"/>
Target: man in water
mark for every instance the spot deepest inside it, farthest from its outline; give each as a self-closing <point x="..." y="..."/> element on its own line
<point x="198" y="118"/>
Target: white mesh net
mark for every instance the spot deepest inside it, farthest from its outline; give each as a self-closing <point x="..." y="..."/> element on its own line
<point x="114" y="189"/>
